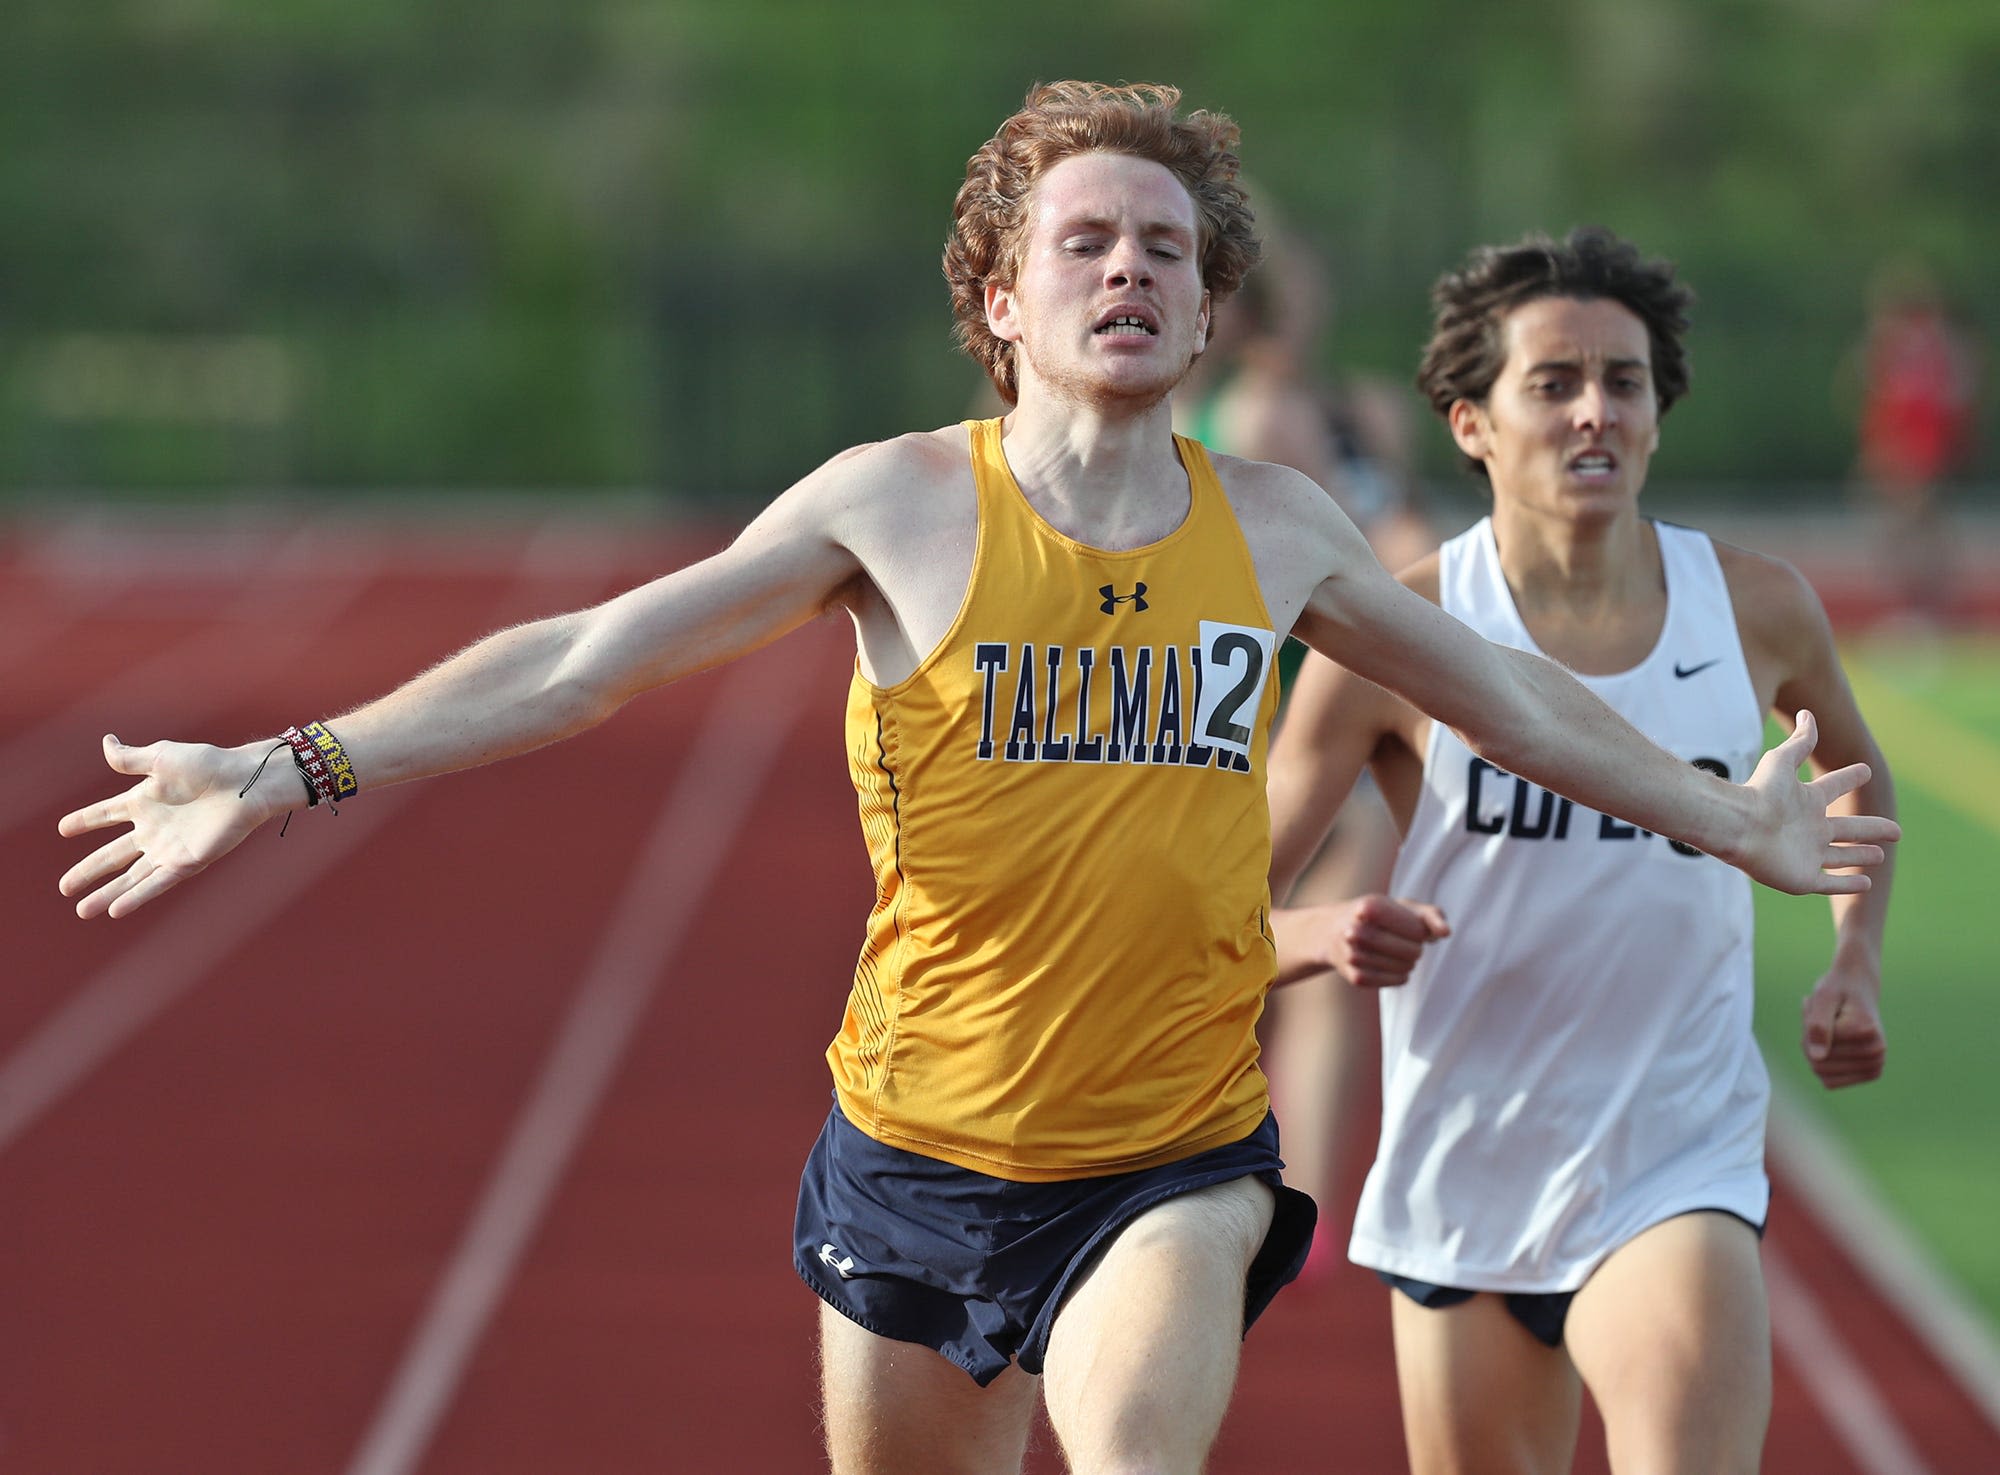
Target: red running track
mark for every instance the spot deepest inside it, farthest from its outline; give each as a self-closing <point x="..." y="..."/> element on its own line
<point x="457" y="1134"/>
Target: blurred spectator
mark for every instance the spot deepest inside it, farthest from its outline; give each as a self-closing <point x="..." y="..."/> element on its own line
<point x="1256" y="393"/>
<point x="1919" y="367"/>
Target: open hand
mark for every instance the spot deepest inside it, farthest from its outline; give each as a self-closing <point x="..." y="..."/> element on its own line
<point x="1795" y="841"/>
<point x="185" y="814"/>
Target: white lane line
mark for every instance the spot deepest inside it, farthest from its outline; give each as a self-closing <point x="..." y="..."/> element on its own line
<point x="1846" y="1396"/>
<point x="194" y="933"/>
<point x="712" y="794"/>
<point x="1876" y="1239"/>
<point x="180" y="681"/>
<point x="264" y="628"/>
<point x="197" y="932"/>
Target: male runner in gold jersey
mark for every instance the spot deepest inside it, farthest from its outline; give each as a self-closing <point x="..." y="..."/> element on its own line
<point x="1051" y="1149"/>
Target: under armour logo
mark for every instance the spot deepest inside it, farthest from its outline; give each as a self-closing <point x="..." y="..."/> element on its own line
<point x="831" y="1257"/>
<point x="1112" y="599"/>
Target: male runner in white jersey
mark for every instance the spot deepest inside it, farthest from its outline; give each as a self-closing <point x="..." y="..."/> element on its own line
<point x="1092" y="236"/>
<point x="1570" y="1185"/>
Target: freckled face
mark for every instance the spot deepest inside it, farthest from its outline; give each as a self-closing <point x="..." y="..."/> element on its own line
<point x="1107" y="304"/>
<point x="1571" y="424"/>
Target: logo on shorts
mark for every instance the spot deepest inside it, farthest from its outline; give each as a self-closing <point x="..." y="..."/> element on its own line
<point x="830" y="1256"/>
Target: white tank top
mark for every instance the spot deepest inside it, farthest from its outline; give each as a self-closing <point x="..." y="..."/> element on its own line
<point x="1574" y="1063"/>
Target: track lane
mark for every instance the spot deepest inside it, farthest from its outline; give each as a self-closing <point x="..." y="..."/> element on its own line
<point x="217" y="1247"/>
<point x="174" y="1236"/>
<point x="656" y="1323"/>
<point x="745" y="721"/>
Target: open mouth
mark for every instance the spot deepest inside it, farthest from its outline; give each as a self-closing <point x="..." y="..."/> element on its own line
<point x="1128" y="323"/>
<point x="1594" y="463"/>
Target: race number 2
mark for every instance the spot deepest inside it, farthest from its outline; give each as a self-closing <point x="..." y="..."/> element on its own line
<point x="1236" y="662"/>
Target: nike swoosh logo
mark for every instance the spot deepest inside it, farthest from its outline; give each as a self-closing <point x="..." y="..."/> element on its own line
<point x="1686" y="671"/>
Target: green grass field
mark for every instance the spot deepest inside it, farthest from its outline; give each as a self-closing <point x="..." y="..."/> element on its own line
<point x="1928" y="1133"/>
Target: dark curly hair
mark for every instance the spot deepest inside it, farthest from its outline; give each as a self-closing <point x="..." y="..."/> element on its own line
<point x="1063" y="119"/>
<point x="1468" y="348"/>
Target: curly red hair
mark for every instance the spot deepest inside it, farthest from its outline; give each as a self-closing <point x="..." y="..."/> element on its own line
<point x="1058" y="121"/>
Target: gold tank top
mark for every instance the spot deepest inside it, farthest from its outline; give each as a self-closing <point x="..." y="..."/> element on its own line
<point x="1064" y="806"/>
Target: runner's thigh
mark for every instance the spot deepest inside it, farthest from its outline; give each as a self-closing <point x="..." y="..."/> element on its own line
<point x="1673" y="1340"/>
<point x="1481" y="1396"/>
<point x="895" y="1408"/>
<point x="1143" y="1356"/>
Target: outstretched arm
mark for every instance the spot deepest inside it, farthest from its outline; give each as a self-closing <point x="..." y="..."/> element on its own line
<point x="516" y="690"/>
<point x="1525" y="714"/>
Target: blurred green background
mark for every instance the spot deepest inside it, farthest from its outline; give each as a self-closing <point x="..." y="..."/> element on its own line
<point x="691" y="248"/>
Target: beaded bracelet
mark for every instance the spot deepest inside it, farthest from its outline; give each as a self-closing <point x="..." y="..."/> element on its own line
<point x="323" y="763"/>
<point x="324" y="767"/>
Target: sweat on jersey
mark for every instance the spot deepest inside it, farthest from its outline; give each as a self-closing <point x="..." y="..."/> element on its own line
<point x="1064" y="807"/>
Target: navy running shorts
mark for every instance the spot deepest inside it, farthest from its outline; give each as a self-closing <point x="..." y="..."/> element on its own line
<point x="1543" y="1313"/>
<point x="976" y="1267"/>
